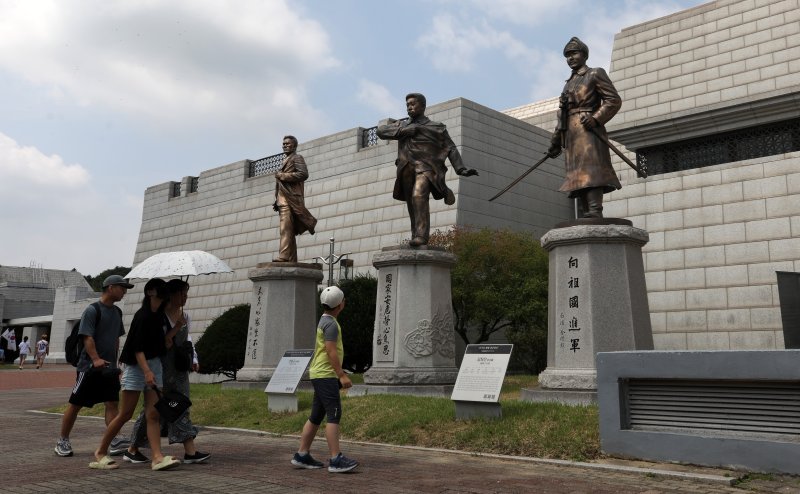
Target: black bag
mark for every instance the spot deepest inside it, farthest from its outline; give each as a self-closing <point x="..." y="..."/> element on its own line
<point x="171" y="405"/>
<point x="184" y="356"/>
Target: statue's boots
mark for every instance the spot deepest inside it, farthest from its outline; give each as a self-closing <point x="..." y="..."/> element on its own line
<point x="422" y="221"/>
<point x="594" y="203"/>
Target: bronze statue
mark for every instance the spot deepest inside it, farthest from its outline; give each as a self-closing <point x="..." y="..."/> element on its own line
<point x="289" y="201"/>
<point x="588" y="102"/>
<point x="422" y="148"/>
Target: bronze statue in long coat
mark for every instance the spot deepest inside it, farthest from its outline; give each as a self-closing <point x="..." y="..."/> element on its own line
<point x="422" y="147"/>
<point x="295" y="219"/>
<point x="588" y="102"/>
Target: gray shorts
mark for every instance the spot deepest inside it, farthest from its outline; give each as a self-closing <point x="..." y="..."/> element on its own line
<point x="133" y="376"/>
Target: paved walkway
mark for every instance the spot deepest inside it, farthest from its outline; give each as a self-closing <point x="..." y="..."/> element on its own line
<point x="245" y="461"/>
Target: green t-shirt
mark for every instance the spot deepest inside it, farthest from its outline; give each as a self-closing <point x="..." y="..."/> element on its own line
<point x="328" y="329"/>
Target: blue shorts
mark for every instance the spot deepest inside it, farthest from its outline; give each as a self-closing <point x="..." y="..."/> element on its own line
<point x="133" y="376"/>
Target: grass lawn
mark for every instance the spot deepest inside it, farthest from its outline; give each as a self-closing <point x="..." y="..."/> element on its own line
<point x="545" y="430"/>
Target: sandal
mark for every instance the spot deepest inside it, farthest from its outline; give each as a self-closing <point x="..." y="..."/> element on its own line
<point x="166" y="463"/>
<point x="104" y="463"/>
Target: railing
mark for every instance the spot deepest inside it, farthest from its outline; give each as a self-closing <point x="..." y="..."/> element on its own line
<point x="193" y="183"/>
<point x="265" y="166"/>
<point x="176" y="189"/>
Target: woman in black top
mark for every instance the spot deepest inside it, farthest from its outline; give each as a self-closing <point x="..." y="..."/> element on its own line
<point x="142" y="355"/>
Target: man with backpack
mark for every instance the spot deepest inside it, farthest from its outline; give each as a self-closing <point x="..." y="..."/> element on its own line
<point x="97" y="372"/>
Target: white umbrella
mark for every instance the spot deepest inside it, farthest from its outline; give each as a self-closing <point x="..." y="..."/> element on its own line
<point x="181" y="263"/>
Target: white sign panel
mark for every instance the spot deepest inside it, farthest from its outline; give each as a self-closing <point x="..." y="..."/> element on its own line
<point x="482" y="371"/>
<point x="289" y="371"/>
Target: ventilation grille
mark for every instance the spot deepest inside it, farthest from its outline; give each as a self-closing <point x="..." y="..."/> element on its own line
<point x="716" y="407"/>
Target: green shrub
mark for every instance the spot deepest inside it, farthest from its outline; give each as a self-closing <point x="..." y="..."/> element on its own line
<point x="221" y="348"/>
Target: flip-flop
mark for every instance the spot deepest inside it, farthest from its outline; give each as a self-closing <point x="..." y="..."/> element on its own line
<point x="166" y="463"/>
<point x="105" y="463"/>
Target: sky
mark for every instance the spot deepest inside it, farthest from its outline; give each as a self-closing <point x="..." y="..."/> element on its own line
<point x="100" y="99"/>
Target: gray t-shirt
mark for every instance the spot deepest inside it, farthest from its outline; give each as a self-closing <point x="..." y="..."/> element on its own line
<point x="330" y="330"/>
<point x="106" y="335"/>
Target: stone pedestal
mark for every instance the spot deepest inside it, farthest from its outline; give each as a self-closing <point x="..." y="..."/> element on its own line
<point x="413" y="342"/>
<point x="283" y="315"/>
<point x="281" y="402"/>
<point x="597" y="301"/>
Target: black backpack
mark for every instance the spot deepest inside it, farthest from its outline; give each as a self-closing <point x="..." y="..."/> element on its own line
<point x="74" y="344"/>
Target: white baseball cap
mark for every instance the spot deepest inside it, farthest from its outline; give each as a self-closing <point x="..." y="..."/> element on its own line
<point x="331" y="296"/>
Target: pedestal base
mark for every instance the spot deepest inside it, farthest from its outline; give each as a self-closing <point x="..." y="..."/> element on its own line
<point x="281" y="402"/>
<point x="281" y="315"/>
<point x="466" y="410"/>
<point x="597" y="300"/>
<point x="563" y="396"/>
<point x="414" y="337"/>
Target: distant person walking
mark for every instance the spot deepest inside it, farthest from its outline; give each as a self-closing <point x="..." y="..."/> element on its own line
<point x="97" y="373"/>
<point x="327" y="377"/>
<point x="179" y="360"/>
<point x="42" y="350"/>
<point x="24" y="350"/>
<point x="141" y="355"/>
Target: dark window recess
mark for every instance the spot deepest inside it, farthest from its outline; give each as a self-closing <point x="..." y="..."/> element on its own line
<point x="737" y="145"/>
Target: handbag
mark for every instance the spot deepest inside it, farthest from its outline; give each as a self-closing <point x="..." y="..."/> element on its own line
<point x="171" y="405"/>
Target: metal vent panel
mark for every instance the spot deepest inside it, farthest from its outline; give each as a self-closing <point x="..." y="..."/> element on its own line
<point x="716" y="407"/>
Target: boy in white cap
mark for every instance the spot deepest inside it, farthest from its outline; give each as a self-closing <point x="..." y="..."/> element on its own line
<point x="327" y="377"/>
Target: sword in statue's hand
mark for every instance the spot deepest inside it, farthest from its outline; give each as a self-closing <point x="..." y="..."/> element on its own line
<point x="515" y="182"/>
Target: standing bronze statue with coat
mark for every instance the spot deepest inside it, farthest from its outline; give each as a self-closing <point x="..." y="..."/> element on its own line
<point x="422" y="147"/>
<point x="588" y="102"/>
<point x="289" y="201"/>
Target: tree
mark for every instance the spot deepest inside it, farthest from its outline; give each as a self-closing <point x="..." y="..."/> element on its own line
<point x="499" y="282"/>
<point x="221" y="348"/>
<point x="96" y="282"/>
<point x="357" y="321"/>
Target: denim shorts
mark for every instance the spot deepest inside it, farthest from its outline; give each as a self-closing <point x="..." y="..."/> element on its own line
<point x="133" y="377"/>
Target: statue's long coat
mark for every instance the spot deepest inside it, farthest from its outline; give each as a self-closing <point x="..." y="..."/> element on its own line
<point x="588" y="161"/>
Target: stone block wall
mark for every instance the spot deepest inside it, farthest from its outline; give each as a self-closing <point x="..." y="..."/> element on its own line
<point x="712" y="56"/>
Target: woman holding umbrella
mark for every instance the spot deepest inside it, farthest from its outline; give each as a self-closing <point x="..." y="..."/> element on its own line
<point x="179" y="360"/>
<point x="142" y="355"/>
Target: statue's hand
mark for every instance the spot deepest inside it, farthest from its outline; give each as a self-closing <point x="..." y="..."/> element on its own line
<point x="467" y="172"/>
<point x="588" y="121"/>
<point x="408" y="131"/>
<point x="554" y="151"/>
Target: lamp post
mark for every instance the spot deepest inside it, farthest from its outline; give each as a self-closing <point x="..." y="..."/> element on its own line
<point x="332" y="259"/>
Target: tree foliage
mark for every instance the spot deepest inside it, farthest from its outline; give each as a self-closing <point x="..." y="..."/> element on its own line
<point x="96" y="282"/>
<point x="499" y="282"/>
<point x="221" y="348"/>
<point x="357" y="321"/>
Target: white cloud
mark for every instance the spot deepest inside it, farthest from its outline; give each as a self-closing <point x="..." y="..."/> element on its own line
<point x="22" y="167"/>
<point x="51" y="215"/>
<point x="178" y="63"/>
<point x="378" y="97"/>
<point x="452" y="44"/>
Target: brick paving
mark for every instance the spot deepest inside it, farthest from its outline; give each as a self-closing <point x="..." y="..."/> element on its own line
<point x="247" y="461"/>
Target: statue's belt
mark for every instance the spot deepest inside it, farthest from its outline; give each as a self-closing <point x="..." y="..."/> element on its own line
<point x="573" y="111"/>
